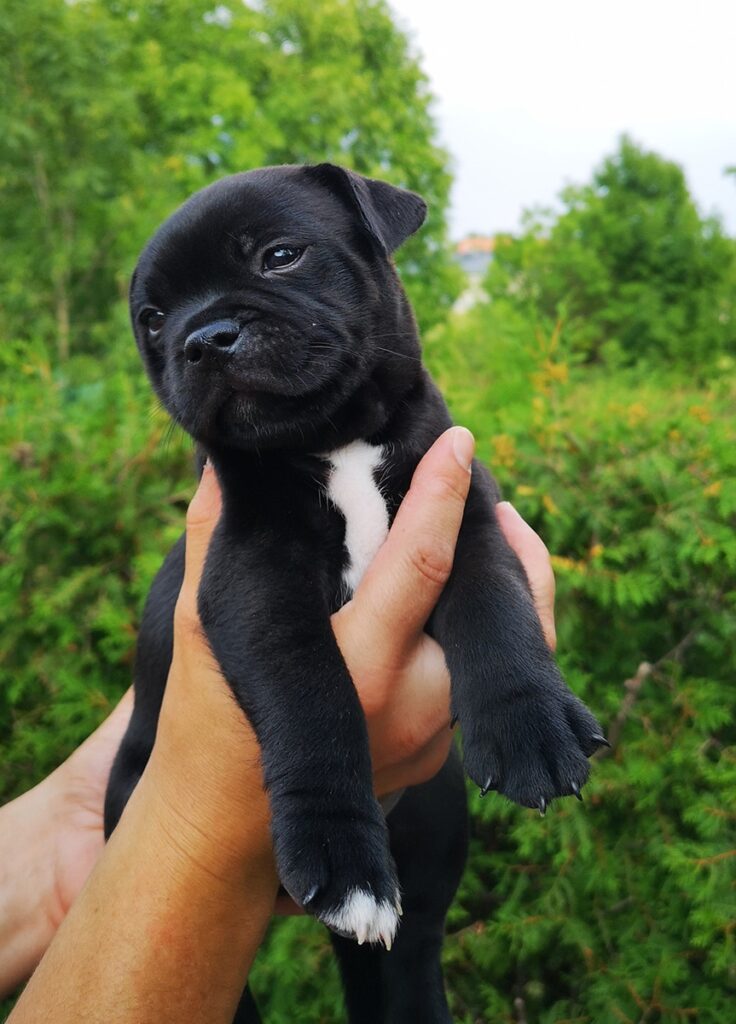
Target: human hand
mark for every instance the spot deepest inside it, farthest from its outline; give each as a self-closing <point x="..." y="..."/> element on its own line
<point x="75" y="795"/>
<point x="400" y="672"/>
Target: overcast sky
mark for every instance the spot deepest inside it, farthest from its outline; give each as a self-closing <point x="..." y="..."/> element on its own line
<point x="531" y="94"/>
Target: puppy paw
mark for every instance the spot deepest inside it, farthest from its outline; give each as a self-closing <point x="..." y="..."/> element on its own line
<point x="363" y="917"/>
<point x="532" y="742"/>
<point x="338" y="867"/>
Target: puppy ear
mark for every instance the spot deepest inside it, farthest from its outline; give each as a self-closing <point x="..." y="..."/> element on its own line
<point x="388" y="213"/>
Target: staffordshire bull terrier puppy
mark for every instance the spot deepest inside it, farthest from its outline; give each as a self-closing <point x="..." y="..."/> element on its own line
<point x="275" y="331"/>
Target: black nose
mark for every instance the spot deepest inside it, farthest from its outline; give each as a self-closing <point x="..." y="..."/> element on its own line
<point x="221" y="336"/>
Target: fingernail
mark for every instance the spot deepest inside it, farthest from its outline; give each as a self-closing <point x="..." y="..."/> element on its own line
<point x="508" y="505"/>
<point x="208" y="477"/>
<point x="463" y="444"/>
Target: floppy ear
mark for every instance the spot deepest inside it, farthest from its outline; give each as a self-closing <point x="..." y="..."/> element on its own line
<point x="388" y="213"/>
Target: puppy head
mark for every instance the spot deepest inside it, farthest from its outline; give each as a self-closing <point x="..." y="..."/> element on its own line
<point x="267" y="305"/>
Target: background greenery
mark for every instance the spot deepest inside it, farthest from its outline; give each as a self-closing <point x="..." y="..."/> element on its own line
<point x="599" y="381"/>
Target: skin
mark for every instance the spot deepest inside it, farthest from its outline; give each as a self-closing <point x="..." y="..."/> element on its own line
<point x="192" y="853"/>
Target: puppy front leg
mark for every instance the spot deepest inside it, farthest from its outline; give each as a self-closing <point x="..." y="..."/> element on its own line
<point x="267" y="622"/>
<point x="524" y="732"/>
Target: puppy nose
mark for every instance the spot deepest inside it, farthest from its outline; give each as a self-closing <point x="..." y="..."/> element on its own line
<point x="221" y="336"/>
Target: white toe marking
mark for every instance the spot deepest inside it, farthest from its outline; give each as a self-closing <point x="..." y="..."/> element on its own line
<point x="362" y="916"/>
<point x="352" y="488"/>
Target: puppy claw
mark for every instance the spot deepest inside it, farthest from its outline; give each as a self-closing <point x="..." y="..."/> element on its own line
<point x="576" y="792"/>
<point x="310" y="896"/>
<point x="489" y="784"/>
<point x="600" y="740"/>
<point x="542" y="805"/>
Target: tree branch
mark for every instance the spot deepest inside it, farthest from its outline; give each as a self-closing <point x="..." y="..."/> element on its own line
<point x="633" y="688"/>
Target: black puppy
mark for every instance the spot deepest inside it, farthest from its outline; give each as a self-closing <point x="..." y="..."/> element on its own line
<point x="275" y="331"/>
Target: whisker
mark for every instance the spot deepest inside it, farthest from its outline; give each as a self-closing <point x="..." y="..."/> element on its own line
<point x="402" y="355"/>
<point x="168" y="435"/>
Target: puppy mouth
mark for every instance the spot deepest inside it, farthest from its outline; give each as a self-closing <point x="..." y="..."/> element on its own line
<point x="249" y="401"/>
<point x="248" y="398"/>
<point x="246" y="417"/>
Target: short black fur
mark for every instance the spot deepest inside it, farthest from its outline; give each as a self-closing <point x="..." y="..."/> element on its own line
<point x="268" y="370"/>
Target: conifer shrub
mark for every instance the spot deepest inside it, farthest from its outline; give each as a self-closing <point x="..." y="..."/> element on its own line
<point x="621" y="909"/>
<point x="94" y="489"/>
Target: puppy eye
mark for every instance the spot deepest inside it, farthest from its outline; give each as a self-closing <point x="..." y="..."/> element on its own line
<point x="281" y="256"/>
<point x="153" y="320"/>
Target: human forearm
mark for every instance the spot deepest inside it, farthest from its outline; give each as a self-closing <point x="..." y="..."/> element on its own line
<point x="26" y="881"/>
<point x="165" y="929"/>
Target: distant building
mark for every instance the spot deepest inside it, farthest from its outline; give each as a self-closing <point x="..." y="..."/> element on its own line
<point x="473" y="253"/>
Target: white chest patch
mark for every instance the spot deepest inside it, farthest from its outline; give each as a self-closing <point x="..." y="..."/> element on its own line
<point x="352" y="489"/>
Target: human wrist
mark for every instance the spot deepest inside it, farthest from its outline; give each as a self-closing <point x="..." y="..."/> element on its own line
<point x="227" y="838"/>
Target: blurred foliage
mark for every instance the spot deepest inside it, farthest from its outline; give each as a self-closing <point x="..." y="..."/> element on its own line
<point x="630" y="265"/>
<point x="94" y="487"/>
<point x="599" y="382"/>
<point x="115" y="111"/>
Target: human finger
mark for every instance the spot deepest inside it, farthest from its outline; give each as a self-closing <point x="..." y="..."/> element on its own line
<point x="202" y="517"/>
<point x="405" y="579"/>
<point x="534" y="556"/>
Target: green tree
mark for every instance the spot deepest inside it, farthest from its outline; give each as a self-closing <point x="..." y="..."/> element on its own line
<point x="115" y="110"/>
<point x="630" y="265"/>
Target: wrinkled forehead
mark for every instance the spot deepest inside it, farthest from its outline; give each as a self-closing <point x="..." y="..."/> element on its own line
<point x="242" y="213"/>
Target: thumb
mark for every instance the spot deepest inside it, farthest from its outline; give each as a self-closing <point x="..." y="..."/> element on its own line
<point x="401" y="586"/>
<point x="202" y="517"/>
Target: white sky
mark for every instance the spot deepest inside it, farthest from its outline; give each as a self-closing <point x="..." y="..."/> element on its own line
<point x="532" y="94"/>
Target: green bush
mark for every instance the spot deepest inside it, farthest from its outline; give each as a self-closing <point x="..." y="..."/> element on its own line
<point x="622" y="909"/>
<point x="92" y="495"/>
